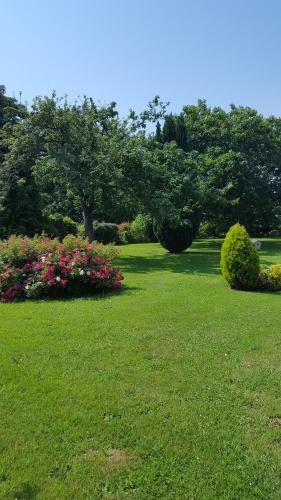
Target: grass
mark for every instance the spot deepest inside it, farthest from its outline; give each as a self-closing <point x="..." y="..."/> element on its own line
<point x="169" y="389"/>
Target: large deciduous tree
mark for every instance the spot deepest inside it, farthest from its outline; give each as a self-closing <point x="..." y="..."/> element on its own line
<point x="90" y="152"/>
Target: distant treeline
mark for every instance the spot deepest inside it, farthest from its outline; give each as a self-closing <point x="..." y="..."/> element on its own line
<point x="81" y="162"/>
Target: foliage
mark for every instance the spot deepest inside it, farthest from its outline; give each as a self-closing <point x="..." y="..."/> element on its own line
<point x="89" y="152"/>
<point x="234" y="189"/>
<point x="20" y="200"/>
<point x="124" y="233"/>
<point x="140" y="229"/>
<point x="239" y="163"/>
<point x="175" y="239"/>
<point x="82" y="161"/>
<point x="177" y="196"/>
<point x="105" y="232"/>
<point x="43" y="267"/>
<point x="274" y="276"/>
<point x="60" y="227"/>
<point x="239" y="259"/>
<point x="11" y="113"/>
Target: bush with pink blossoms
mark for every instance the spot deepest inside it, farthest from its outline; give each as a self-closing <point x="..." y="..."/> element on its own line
<point x="43" y="267"/>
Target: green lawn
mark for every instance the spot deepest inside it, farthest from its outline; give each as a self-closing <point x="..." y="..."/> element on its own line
<point x="169" y="389"/>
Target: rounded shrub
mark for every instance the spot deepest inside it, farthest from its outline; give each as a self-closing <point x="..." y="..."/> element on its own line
<point x="42" y="267"/>
<point x="173" y="238"/>
<point x="106" y="232"/>
<point x="240" y="263"/>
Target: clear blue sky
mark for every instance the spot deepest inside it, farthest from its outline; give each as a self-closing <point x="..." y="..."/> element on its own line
<point x="130" y="50"/>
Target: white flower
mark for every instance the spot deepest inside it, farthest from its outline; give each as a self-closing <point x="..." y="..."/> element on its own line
<point x="88" y="273"/>
<point x="43" y="259"/>
<point x="58" y="279"/>
<point x="82" y="272"/>
<point x="26" y="287"/>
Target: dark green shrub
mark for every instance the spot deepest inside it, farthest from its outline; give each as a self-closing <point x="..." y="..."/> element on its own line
<point x="173" y="238"/>
<point x="60" y="227"/>
<point x="106" y="232"/>
<point x="240" y="263"/>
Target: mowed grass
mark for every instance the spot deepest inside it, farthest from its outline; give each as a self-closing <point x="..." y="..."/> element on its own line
<point x="169" y="389"/>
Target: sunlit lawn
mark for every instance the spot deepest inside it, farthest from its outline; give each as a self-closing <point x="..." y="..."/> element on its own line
<point x="169" y="389"/>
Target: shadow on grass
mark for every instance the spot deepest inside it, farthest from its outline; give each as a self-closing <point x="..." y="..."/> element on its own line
<point x="203" y="258"/>
<point x="271" y="247"/>
<point x="95" y="297"/>
<point x="190" y="262"/>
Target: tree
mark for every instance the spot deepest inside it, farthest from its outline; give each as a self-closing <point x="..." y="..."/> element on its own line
<point x="20" y="202"/>
<point x="158" y="132"/>
<point x="20" y="209"/>
<point x="169" y="129"/>
<point x="235" y="190"/>
<point x="11" y="112"/>
<point x="80" y="141"/>
<point x="90" y="153"/>
<point x="240" y="263"/>
<point x="174" y="194"/>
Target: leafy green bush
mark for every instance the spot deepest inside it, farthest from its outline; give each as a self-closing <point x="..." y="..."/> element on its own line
<point x="274" y="276"/>
<point x="106" y="232"/>
<point x="141" y="228"/>
<point x="60" y="227"/>
<point x="240" y="263"/>
<point x="270" y="278"/>
<point x="138" y="231"/>
<point x="175" y="239"/>
<point x="124" y="233"/>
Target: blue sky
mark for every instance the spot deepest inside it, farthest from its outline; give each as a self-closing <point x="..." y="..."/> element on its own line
<point x="130" y="50"/>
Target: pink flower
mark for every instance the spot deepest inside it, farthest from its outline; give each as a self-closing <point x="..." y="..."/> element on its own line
<point x="63" y="282"/>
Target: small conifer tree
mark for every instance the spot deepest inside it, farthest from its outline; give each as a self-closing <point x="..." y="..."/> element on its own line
<point x="240" y="263"/>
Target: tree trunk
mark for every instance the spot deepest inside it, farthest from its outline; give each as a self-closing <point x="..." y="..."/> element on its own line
<point x="88" y="222"/>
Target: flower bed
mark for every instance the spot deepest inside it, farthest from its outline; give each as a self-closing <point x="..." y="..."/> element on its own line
<point x="42" y="267"/>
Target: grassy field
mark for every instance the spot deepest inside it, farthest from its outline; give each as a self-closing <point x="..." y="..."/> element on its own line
<point x="169" y="389"/>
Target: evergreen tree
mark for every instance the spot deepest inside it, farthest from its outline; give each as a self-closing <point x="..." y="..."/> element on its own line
<point x="181" y="136"/>
<point x="169" y="129"/>
<point x="158" y="132"/>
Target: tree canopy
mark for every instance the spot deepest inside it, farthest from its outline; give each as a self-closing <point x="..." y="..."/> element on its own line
<point x="83" y="161"/>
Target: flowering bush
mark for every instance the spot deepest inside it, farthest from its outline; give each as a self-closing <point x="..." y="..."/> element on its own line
<point x="43" y="267"/>
<point x="270" y="278"/>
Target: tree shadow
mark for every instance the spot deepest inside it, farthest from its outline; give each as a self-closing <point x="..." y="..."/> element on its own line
<point x="202" y="258"/>
<point x="189" y="262"/>
<point x="270" y="247"/>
